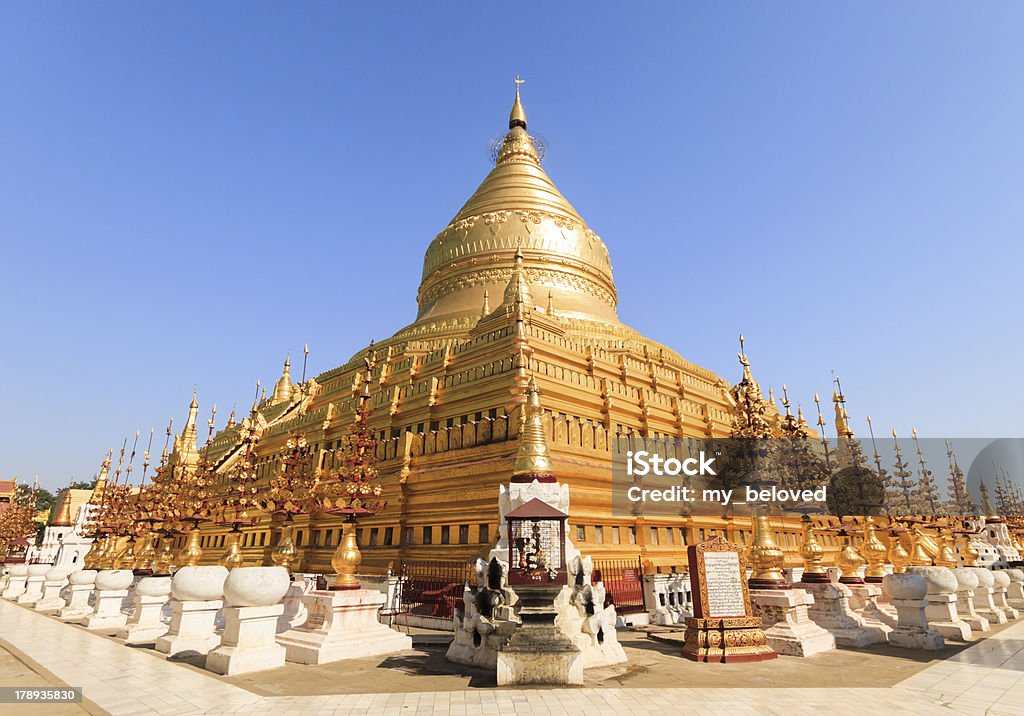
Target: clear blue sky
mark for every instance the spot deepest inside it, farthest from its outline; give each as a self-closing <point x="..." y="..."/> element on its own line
<point x="188" y="191"/>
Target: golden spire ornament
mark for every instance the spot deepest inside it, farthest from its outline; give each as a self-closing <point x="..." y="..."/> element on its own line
<point x="766" y="559"/>
<point x="533" y="460"/>
<point x="874" y="553"/>
<point x="812" y="553"/>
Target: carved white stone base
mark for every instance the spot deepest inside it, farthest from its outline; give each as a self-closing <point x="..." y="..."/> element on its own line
<point x="248" y="641"/>
<point x="294" y="613"/>
<point x="831" y="611"/>
<point x="942" y="617"/>
<point x="547" y="668"/>
<point x="191" y="629"/>
<point x="965" y="610"/>
<point x="985" y="605"/>
<point x="145" y="624"/>
<point x="864" y="602"/>
<point x="913" y="631"/>
<point x="15" y="586"/>
<point x="108" y="614"/>
<point x="78" y="602"/>
<point x="33" y="590"/>
<point x="52" y="601"/>
<point x="784" y="615"/>
<point x="341" y="624"/>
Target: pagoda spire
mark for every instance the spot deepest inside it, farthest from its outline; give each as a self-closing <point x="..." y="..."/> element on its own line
<point x="986" y="503"/>
<point x="750" y="419"/>
<point x="101" y="481"/>
<point x="517" y="118"/>
<point x="283" y="387"/>
<point x="533" y="462"/>
<point x="63" y="518"/>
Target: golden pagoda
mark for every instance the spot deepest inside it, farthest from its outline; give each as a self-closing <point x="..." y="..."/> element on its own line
<point x="447" y="392"/>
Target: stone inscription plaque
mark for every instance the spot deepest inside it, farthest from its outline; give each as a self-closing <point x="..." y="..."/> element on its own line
<point x="717" y="579"/>
<point x="724" y="584"/>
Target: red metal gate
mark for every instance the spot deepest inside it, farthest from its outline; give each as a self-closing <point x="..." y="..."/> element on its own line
<point x="623" y="583"/>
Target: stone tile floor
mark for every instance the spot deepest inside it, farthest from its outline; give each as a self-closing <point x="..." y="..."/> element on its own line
<point x="987" y="677"/>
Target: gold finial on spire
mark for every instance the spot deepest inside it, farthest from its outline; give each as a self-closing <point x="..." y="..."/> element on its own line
<point x="518" y="116"/>
<point x="283" y="387"/>
<point x="63" y="518"/>
<point x="487" y="304"/>
<point x="533" y="461"/>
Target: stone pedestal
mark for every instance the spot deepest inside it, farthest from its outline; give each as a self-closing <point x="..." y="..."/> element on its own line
<point x="111" y="589"/>
<point x="864" y="602"/>
<point x="966" y="583"/>
<point x="984" y="597"/>
<point x="192" y="628"/>
<point x="247" y="643"/>
<point x="1000" y="593"/>
<point x="341" y="624"/>
<point x="1015" y="592"/>
<point x="16" y="578"/>
<point x="941" y="611"/>
<point x="669" y="596"/>
<point x="250" y="621"/>
<point x="34" y="583"/>
<point x="52" y="601"/>
<point x="79" y="591"/>
<point x="294" y="613"/>
<point x="911" y="632"/>
<point x="539" y="653"/>
<point x="196" y="599"/>
<point x="784" y="616"/>
<point x="145" y="624"/>
<point x="831" y="611"/>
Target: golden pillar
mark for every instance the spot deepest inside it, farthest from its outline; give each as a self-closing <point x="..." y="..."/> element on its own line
<point x="766" y="558"/>
<point x="812" y="554"/>
<point x="191" y="553"/>
<point x="284" y="553"/>
<point x="346" y="559"/>
<point x="232" y="556"/>
<point x="874" y="553"/>
<point x="918" y="556"/>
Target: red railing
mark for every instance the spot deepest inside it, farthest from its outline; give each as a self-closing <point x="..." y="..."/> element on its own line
<point x="623" y="583"/>
<point x="432" y="588"/>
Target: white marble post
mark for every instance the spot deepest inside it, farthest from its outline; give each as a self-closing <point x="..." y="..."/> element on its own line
<point x="80" y="589"/>
<point x="864" y="602"/>
<point x="1015" y="592"/>
<point x="984" y="597"/>
<point x="250" y="621"/>
<point x="197" y="597"/>
<point x="294" y="613"/>
<point x="966" y="583"/>
<point x="941" y="611"/>
<point x="145" y="624"/>
<point x="16" y="578"/>
<point x="34" y="583"/>
<point x="831" y="611"/>
<point x="786" y="623"/>
<point x="1000" y="588"/>
<point x="111" y="589"/>
<point x="911" y="632"/>
<point x="55" y="581"/>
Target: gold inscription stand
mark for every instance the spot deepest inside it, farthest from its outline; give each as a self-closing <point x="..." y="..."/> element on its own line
<point x="714" y="637"/>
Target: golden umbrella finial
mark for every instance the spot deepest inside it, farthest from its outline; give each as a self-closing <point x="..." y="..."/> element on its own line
<point x="518" y="116"/>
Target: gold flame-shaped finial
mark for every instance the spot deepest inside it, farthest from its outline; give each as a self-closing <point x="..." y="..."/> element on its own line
<point x="533" y="461"/>
<point x="518" y="116"/>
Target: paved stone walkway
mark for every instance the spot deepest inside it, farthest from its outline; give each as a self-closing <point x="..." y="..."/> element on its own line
<point x="985" y="678"/>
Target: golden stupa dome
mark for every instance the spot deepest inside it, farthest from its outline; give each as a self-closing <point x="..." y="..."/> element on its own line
<point x="517" y="208"/>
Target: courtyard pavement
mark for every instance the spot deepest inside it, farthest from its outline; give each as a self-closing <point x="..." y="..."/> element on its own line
<point x="985" y="678"/>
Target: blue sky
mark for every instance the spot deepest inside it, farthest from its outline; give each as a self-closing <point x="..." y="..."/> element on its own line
<point x="191" y="190"/>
